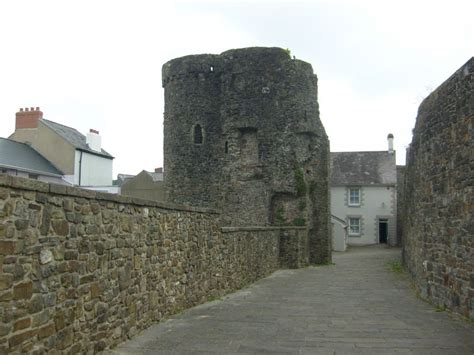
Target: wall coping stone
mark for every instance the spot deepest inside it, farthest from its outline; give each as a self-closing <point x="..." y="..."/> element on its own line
<point x="260" y="228"/>
<point x="17" y="182"/>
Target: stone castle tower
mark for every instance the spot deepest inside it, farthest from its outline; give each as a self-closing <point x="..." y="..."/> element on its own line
<point x="242" y="134"/>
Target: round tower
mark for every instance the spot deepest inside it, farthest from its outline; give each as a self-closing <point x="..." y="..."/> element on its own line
<point x="192" y="128"/>
<point x="243" y="134"/>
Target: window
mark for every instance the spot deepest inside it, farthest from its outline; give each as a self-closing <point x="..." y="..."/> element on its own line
<point x="354" y="226"/>
<point x="354" y="197"/>
<point x="226" y="147"/>
<point x="197" y="134"/>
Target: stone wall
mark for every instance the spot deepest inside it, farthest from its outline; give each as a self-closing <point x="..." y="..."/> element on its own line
<point x="242" y="133"/>
<point x="438" y="226"/>
<point x="82" y="271"/>
<point x="400" y="202"/>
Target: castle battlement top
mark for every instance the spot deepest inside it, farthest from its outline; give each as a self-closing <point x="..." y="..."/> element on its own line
<point x="234" y="61"/>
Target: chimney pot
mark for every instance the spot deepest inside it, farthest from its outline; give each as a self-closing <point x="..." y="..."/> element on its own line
<point x="28" y="117"/>
<point x="390" y="142"/>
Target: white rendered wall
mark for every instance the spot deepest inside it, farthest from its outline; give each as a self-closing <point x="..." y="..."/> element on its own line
<point x="94" y="170"/>
<point x="339" y="237"/>
<point x="377" y="202"/>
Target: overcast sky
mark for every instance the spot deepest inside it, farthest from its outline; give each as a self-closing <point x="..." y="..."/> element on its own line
<point x="97" y="64"/>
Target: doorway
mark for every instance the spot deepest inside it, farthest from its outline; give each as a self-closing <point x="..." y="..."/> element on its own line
<point x="383" y="231"/>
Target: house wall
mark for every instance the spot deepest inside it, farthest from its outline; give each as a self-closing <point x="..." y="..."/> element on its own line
<point x="143" y="186"/>
<point x="49" y="144"/>
<point x="376" y="202"/>
<point x="92" y="170"/>
<point x="339" y="236"/>
<point x="81" y="271"/>
<point x="438" y="223"/>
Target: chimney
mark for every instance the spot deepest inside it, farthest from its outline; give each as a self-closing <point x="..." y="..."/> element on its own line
<point x="93" y="140"/>
<point x="28" y="118"/>
<point x="390" y="143"/>
<point x="158" y="170"/>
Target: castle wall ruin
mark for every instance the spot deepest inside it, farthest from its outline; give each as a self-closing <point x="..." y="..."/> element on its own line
<point x="242" y="134"/>
<point x="438" y="216"/>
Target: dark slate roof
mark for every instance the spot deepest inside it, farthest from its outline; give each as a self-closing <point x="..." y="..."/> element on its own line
<point x="363" y="168"/>
<point x="21" y="156"/>
<point x="73" y="136"/>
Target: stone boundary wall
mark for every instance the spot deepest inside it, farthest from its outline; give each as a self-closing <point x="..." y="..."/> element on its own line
<point x="438" y="222"/>
<point x="82" y="271"/>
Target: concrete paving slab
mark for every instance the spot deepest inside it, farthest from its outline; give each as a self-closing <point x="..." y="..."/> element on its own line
<point x="357" y="306"/>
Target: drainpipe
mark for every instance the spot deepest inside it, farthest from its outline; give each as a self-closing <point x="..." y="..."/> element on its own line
<point x="80" y="168"/>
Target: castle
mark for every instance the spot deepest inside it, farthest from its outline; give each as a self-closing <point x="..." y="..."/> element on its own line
<point x="242" y="134"/>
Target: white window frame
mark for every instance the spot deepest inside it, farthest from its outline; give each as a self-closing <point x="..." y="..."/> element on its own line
<point x="349" y="195"/>
<point x="359" y="226"/>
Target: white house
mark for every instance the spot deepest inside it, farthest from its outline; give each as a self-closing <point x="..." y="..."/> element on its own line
<point x="364" y="195"/>
<point x="81" y="158"/>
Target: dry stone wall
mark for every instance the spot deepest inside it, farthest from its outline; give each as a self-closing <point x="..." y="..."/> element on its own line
<point x="82" y="271"/>
<point x="438" y="222"/>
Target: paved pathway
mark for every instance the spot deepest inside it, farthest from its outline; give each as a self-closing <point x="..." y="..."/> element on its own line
<point x="357" y="305"/>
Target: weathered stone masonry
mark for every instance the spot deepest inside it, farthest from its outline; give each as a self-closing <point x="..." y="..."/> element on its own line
<point x="81" y="271"/>
<point x="242" y="134"/>
<point x="438" y="225"/>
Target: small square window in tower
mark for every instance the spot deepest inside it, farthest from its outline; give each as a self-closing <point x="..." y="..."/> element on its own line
<point x="248" y="146"/>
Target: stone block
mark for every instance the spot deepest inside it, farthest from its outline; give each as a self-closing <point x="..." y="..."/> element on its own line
<point x="7" y="247"/>
<point x="46" y="331"/>
<point x="23" y="290"/>
<point x="60" y="227"/>
<point x="17" y="339"/>
<point x="35" y="304"/>
<point x="95" y="290"/>
<point x="6" y="281"/>
<point x="22" y="324"/>
<point x="64" y="338"/>
<point x="5" y="328"/>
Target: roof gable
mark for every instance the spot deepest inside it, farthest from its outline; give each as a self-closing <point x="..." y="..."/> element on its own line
<point x="21" y="156"/>
<point x="74" y="137"/>
<point x="363" y="168"/>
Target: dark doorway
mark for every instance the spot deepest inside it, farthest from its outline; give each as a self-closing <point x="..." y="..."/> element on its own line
<point x="383" y="231"/>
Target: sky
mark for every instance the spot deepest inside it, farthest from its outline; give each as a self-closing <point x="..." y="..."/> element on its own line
<point x="97" y="64"/>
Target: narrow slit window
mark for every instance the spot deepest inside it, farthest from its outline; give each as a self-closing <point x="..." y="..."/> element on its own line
<point x="198" y="137"/>
<point x="226" y="147"/>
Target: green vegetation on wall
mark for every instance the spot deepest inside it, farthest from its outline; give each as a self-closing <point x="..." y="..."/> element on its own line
<point x="301" y="187"/>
